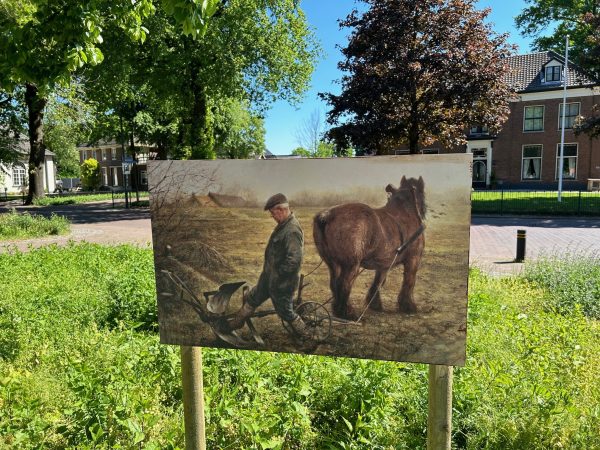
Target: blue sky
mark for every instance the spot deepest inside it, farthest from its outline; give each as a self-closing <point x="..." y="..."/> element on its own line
<point x="283" y="120"/>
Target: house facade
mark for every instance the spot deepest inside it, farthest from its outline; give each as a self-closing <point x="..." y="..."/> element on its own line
<point x="14" y="178"/>
<point x="526" y="153"/>
<point x="111" y="156"/>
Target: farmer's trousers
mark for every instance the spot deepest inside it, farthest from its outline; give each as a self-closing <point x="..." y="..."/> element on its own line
<point x="282" y="295"/>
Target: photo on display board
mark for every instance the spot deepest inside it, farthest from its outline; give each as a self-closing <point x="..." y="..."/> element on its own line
<point x="354" y="257"/>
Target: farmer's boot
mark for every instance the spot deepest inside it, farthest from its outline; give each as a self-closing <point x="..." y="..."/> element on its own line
<point x="240" y="317"/>
<point x="300" y="328"/>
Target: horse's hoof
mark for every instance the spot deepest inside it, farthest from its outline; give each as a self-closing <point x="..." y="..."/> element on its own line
<point x="407" y="308"/>
<point x="376" y="307"/>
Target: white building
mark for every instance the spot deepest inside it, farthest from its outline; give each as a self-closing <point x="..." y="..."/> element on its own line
<point x="14" y="178"/>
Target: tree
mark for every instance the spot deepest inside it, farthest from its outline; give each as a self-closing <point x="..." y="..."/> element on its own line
<point x="68" y="119"/>
<point x="550" y="21"/>
<point x="301" y="151"/>
<point x="418" y="72"/>
<point x="239" y="133"/>
<point x="591" y="60"/>
<point x="252" y="53"/>
<point x="310" y="132"/>
<point x="12" y="128"/>
<point x="42" y="43"/>
<point x="90" y="174"/>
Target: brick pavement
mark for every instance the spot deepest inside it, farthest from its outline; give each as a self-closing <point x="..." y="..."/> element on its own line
<point x="493" y="239"/>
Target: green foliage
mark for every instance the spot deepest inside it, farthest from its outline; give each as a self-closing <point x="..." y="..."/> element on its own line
<point x="90" y="174"/>
<point x="301" y="151"/>
<point x="78" y="371"/>
<point x="67" y="120"/>
<point x="14" y="225"/>
<point x="571" y="282"/>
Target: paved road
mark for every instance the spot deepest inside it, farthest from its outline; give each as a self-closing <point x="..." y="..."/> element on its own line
<point x="493" y="239"/>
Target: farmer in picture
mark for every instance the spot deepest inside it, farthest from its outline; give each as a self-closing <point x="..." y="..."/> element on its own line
<point x="281" y="270"/>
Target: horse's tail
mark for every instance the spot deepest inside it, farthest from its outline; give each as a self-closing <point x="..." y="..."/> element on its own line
<point x="319" y="222"/>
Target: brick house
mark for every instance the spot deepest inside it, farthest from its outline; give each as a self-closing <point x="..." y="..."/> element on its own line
<point x="526" y="153"/>
<point x="110" y="156"/>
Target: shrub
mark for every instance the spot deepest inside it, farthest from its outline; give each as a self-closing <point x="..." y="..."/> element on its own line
<point x="90" y="174"/>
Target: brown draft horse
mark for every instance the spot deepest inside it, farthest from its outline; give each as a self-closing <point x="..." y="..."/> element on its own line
<point x="354" y="235"/>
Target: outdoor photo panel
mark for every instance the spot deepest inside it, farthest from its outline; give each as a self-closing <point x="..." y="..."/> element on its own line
<point x="354" y="257"/>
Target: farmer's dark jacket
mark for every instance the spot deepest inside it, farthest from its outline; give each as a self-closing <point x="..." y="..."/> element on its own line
<point x="283" y="256"/>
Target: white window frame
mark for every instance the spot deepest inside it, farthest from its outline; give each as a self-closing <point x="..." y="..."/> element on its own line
<point x="525" y="118"/>
<point x="19" y="176"/>
<point x="104" y="176"/>
<point x="104" y="156"/>
<point x="541" y="147"/>
<point x="565" y="157"/>
<point x="113" y="154"/>
<point x="568" y="118"/>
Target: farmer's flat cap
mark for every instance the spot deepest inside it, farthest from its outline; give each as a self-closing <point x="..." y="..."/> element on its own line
<point x="275" y="200"/>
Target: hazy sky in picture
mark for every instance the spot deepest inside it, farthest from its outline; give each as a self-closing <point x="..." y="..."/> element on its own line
<point x="258" y="179"/>
<point x="283" y="120"/>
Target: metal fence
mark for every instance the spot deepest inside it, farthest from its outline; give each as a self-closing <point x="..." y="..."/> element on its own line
<point x="575" y="203"/>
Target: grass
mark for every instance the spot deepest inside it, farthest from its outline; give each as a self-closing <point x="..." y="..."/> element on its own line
<point x="535" y="202"/>
<point x="67" y="199"/>
<point x="81" y="367"/>
<point x="14" y="225"/>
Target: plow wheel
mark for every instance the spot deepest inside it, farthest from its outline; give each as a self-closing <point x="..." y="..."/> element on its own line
<point x="317" y="320"/>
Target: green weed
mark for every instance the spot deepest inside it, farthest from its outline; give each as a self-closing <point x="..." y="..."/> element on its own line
<point x="82" y="367"/>
<point x="570" y="282"/>
<point x="14" y="225"/>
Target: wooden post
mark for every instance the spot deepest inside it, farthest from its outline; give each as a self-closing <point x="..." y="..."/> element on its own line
<point x="439" y="421"/>
<point x="193" y="398"/>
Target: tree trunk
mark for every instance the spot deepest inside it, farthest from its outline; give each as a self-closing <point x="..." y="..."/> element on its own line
<point x="37" y="151"/>
<point x="201" y="139"/>
<point x="413" y="131"/>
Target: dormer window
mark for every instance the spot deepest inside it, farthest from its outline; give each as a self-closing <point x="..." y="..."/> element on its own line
<point x="553" y="73"/>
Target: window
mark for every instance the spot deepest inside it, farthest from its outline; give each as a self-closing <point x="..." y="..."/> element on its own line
<point x="478" y="130"/>
<point x="104" y="156"/>
<point x="534" y="118"/>
<point x="479" y="171"/>
<point x="569" y="161"/>
<point x="18" y="176"/>
<point x="113" y="154"/>
<point x="553" y="73"/>
<point x="572" y="111"/>
<point x="532" y="162"/>
<point x="479" y="153"/>
<point x="143" y="177"/>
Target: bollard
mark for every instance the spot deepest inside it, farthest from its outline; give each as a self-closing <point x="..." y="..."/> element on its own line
<point x="521" y="240"/>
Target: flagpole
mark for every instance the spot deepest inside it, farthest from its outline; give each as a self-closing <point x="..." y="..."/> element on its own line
<point x="562" y="127"/>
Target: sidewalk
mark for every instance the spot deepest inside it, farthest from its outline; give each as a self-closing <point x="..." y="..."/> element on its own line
<point x="494" y="240"/>
<point x="492" y="244"/>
